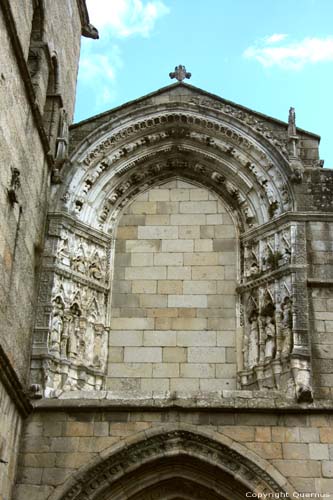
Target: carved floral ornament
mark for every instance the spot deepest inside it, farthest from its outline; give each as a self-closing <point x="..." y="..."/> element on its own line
<point x="100" y="479"/>
<point x="250" y="175"/>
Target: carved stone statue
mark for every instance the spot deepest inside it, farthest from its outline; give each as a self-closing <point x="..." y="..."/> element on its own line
<point x="89" y="342"/>
<point x="266" y="258"/>
<point x="79" y="261"/>
<point x="95" y="267"/>
<point x="286" y="327"/>
<point x="292" y="122"/>
<point x="57" y="325"/>
<point x="286" y="255"/>
<point x="74" y="332"/>
<point x="254" y="269"/>
<point x="63" y="252"/>
<point x="253" y="342"/>
<point x="269" y="335"/>
<point x="99" y="337"/>
<point x="65" y="336"/>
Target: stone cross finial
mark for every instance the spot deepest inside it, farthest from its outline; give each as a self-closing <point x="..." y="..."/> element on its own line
<point x="180" y="73"/>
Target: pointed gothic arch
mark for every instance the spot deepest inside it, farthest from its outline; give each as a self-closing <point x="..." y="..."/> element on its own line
<point x="178" y="462"/>
<point x="113" y="159"/>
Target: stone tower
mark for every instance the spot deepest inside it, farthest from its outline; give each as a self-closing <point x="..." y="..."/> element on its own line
<point x="183" y="311"/>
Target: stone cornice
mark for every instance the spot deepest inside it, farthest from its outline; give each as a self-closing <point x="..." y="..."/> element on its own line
<point x="13" y="386"/>
<point x="228" y="401"/>
<point x="269" y="276"/>
<point x="63" y="217"/>
<point x="25" y="75"/>
<point x="286" y="218"/>
<point x="202" y="93"/>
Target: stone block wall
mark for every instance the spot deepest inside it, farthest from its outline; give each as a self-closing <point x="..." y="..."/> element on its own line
<point x="23" y="151"/>
<point x="59" y="442"/>
<point x="10" y="429"/>
<point x="173" y="315"/>
<point x="322" y="340"/>
<point x="320" y="246"/>
<point x="22" y="223"/>
<point x="320" y="259"/>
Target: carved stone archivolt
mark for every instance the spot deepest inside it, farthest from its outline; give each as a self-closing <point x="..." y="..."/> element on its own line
<point x="71" y="336"/>
<point x="178" y="451"/>
<point x="116" y="161"/>
<point x="271" y="354"/>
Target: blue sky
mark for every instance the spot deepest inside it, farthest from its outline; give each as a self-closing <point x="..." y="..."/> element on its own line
<point x="267" y="55"/>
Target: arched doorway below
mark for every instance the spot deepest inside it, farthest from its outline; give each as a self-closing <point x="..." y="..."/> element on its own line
<point x="174" y="464"/>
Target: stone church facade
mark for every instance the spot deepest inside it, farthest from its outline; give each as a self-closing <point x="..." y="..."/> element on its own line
<point x="167" y="287"/>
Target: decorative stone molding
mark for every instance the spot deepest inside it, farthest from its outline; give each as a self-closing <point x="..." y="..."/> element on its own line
<point x="93" y="482"/>
<point x="247" y="185"/>
<point x="234" y="152"/>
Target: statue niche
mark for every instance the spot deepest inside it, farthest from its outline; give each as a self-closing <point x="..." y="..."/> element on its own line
<point x="251" y="336"/>
<point x="286" y="326"/>
<point x="267" y="341"/>
<point x="77" y="343"/>
<point x="268" y="328"/>
<point x="72" y="352"/>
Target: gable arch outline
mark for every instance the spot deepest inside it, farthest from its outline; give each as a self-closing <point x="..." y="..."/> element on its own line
<point x="250" y="171"/>
<point x="213" y="452"/>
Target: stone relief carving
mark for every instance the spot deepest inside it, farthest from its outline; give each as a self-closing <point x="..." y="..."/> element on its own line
<point x="249" y="119"/>
<point x="273" y="192"/>
<point x="269" y="331"/>
<point x="275" y="348"/>
<point x="268" y="254"/>
<point x="169" y="118"/>
<point x="177" y="132"/>
<point x="77" y="337"/>
<point x="81" y="255"/>
<point x="131" y="186"/>
<point x="71" y="329"/>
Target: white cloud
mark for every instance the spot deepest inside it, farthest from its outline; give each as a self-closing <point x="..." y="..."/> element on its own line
<point x="294" y="55"/>
<point x="102" y="60"/>
<point x="277" y="37"/>
<point x="98" y="72"/>
<point x="123" y="18"/>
